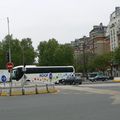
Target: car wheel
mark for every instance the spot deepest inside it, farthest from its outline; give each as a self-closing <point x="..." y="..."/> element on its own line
<point x="93" y="80"/>
<point x="73" y="83"/>
<point x="64" y="83"/>
<point x="80" y="83"/>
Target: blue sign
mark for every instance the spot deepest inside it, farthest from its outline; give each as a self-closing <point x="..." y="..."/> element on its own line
<point x="50" y="75"/>
<point x="43" y="75"/>
<point x="3" y="78"/>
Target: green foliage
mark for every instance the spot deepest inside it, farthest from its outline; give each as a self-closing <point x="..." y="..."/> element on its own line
<point x="117" y="56"/>
<point x="17" y="51"/>
<point x="52" y="53"/>
<point x="100" y="62"/>
<point x="46" y="52"/>
<point x="28" y="51"/>
<point x="64" y="55"/>
<point x="2" y="56"/>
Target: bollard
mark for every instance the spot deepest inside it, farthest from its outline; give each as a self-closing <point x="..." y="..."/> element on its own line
<point x="53" y="86"/>
<point x="36" y="90"/>
<point x="23" y="91"/>
<point x="0" y="91"/>
<point x="47" y="88"/>
<point x="10" y="91"/>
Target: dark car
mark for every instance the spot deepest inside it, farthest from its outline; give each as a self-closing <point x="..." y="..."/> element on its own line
<point x="99" y="78"/>
<point x="71" y="80"/>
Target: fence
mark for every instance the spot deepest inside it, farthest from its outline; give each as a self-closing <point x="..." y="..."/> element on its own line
<point x="27" y="90"/>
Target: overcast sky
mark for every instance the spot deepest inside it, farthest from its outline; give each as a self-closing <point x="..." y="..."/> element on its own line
<point x="63" y="20"/>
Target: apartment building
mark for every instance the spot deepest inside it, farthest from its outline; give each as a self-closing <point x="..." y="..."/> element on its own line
<point x="99" y="43"/>
<point x="114" y="29"/>
<point x="80" y="44"/>
<point x="80" y="50"/>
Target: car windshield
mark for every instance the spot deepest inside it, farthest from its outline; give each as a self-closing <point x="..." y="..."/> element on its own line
<point x="92" y="75"/>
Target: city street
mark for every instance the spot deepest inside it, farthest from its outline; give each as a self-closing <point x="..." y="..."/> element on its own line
<point x="83" y="102"/>
<point x="60" y="60"/>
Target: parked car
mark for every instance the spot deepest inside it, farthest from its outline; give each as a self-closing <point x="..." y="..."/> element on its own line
<point x="72" y="80"/>
<point x="98" y="77"/>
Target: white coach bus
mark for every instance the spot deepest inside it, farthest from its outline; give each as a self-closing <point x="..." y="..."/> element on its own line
<point x="42" y="73"/>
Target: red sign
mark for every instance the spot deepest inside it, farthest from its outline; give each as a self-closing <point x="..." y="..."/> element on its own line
<point x="9" y="65"/>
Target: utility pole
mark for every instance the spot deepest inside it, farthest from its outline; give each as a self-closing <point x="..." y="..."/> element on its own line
<point x="10" y="79"/>
<point x="84" y="58"/>
<point x="9" y="39"/>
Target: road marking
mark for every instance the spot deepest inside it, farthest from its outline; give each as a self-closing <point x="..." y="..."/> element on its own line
<point x="116" y="99"/>
<point x="115" y="95"/>
<point x="100" y="85"/>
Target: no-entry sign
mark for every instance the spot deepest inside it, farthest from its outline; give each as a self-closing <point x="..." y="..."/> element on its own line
<point x="9" y="65"/>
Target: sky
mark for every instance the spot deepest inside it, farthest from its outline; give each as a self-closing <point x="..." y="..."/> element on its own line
<point x="64" y="20"/>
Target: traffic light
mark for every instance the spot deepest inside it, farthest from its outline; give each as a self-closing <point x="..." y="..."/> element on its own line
<point x="7" y="56"/>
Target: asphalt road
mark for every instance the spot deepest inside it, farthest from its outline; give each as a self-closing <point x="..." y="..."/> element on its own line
<point x="85" y="102"/>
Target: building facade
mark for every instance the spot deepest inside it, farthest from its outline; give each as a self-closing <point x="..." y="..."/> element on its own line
<point x="80" y="50"/>
<point x="114" y="29"/>
<point x="99" y="43"/>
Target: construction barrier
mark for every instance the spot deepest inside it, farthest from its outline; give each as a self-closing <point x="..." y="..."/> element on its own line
<point x="116" y="79"/>
<point x="27" y="90"/>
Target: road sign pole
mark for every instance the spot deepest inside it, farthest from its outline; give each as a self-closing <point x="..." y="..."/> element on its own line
<point x="10" y="79"/>
<point x="9" y="67"/>
<point x="50" y="77"/>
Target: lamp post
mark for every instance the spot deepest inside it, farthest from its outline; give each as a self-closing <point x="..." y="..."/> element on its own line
<point x="84" y="58"/>
<point x="10" y="79"/>
<point x="111" y="71"/>
<point x="9" y="39"/>
<point x="23" y="55"/>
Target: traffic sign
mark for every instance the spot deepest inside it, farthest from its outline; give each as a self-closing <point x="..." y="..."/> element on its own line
<point x="50" y="75"/>
<point x="9" y="65"/>
<point x="3" y="78"/>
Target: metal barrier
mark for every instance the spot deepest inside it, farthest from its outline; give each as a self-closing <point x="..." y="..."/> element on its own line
<point x="27" y="89"/>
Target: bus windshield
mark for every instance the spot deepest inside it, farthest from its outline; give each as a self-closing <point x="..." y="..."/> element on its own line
<point x="17" y="73"/>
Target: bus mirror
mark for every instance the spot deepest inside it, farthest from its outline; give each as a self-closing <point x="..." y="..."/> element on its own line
<point x="24" y="69"/>
<point x="24" y="65"/>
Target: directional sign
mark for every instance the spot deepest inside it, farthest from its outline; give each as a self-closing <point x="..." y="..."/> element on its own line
<point x="50" y="75"/>
<point x="3" y="78"/>
<point x="9" y="65"/>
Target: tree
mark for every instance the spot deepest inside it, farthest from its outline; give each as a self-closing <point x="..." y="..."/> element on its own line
<point x="41" y="52"/>
<point x="20" y="51"/>
<point x="64" y="55"/>
<point x="52" y="53"/>
<point x="5" y="49"/>
<point x="117" y="55"/>
<point x="46" y="52"/>
<point x="100" y="62"/>
<point x="16" y="52"/>
<point x="28" y="53"/>
<point x="51" y="48"/>
<point x="2" y="57"/>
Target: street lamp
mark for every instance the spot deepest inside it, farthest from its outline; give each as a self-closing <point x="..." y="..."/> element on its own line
<point x="84" y="57"/>
<point x="9" y="56"/>
<point x="23" y="55"/>
<point x="9" y="40"/>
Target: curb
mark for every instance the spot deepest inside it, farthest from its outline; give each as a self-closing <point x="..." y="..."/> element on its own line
<point x="18" y="93"/>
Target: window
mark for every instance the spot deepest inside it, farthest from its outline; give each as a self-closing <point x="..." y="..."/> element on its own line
<point x="48" y="70"/>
